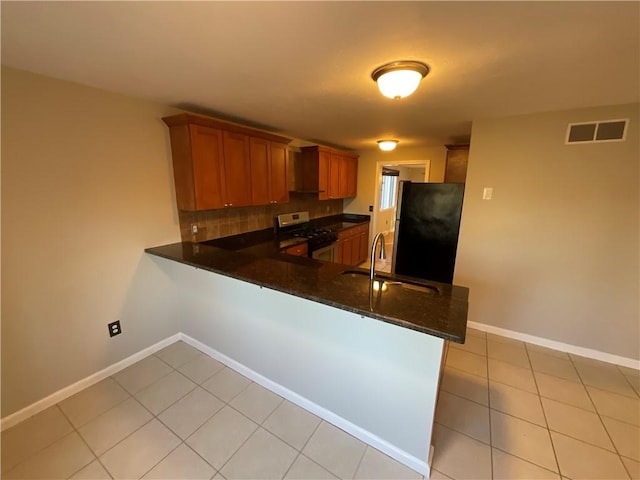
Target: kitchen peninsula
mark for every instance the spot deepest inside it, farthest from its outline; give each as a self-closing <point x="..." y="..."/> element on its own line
<point x="367" y="361"/>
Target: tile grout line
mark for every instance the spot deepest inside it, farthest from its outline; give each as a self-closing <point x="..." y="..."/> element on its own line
<point x="96" y="457"/>
<point x="303" y="447"/>
<point x="486" y="366"/>
<point x="601" y="421"/>
<point x="544" y="413"/>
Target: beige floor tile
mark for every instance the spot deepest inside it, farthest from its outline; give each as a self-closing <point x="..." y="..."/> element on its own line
<point x="459" y="456"/>
<point x="513" y="353"/>
<point x="553" y="365"/>
<point x="476" y="333"/>
<point x="93" y="471"/>
<point x="375" y="465"/>
<point x="93" y="401"/>
<point x="633" y="468"/>
<point x="335" y="450"/>
<point x="511" y="375"/>
<point x="472" y="344"/>
<point x="59" y="460"/>
<point x="186" y="415"/>
<point x="200" y="368"/>
<point x="626" y="437"/>
<point x="577" y="423"/>
<point x="634" y="382"/>
<point x="463" y="416"/>
<point x="469" y="362"/>
<point x="142" y="374"/>
<point x="165" y="392"/>
<point x="181" y="464"/>
<point x="262" y="456"/>
<point x="563" y="391"/>
<point x="31" y="435"/>
<point x="549" y="351"/>
<point x="616" y="406"/>
<point x="219" y="438"/>
<point x="140" y="451"/>
<point x="629" y="372"/>
<point x="177" y="353"/>
<point x="292" y="424"/>
<point x="436" y="475"/>
<point x="508" y="467"/>
<point x="522" y="439"/>
<point x="305" y="469"/>
<point x="605" y="377"/>
<point x="105" y="431"/>
<point x="226" y="384"/>
<point x="466" y="385"/>
<point x="256" y="402"/>
<point x="516" y="402"/>
<point x="581" y="460"/>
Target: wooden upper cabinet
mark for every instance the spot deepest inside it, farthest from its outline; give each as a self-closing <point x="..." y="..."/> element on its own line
<point x="351" y="175"/>
<point x="218" y="164"/>
<point x="259" y="153"/>
<point x="323" y="175"/>
<point x="278" y="185"/>
<point x="268" y="171"/>
<point x="198" y="168"/>
<point x="331" y="173"/>
<point x="237" y="169"/>
<point x="456" y="167"/>
<point x="335" y="183"/>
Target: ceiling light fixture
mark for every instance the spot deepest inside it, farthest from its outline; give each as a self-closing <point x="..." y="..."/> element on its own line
<point x="399" y="79"/>
<point x="387" y="145"/>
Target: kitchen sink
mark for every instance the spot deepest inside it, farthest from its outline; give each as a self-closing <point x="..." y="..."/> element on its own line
<point x="391" y="281"/>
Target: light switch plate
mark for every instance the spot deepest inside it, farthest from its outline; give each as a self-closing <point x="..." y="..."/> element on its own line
<point x="487" y="193"/>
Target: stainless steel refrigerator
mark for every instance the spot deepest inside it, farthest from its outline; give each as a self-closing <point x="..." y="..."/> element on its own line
<point x="426" y="230"/>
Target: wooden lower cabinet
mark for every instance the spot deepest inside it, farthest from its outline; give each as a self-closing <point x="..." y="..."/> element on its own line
<point x="300" y="250"/>
<point x="353" y="245"/>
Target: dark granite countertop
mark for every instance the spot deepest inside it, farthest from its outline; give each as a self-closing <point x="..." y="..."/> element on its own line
<point x="442" y="314"/>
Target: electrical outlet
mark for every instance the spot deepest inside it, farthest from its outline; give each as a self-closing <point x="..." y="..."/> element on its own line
<point x="194" y="228"/>
<point x="371" y="208"/>
<point x="114" y="328"/>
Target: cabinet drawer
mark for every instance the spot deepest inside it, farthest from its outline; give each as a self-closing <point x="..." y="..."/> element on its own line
<point x="301" y="250"/>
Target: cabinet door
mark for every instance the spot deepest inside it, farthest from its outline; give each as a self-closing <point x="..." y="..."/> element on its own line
<point x="364" y="246"/>
<point x="259" y="154"/>
<point x="347" y="253"/>
<point x="237" y="169"/>
<point x="278" y="186"/>
<point x="208" y="169"/>
<point x="324" y="161"/>
<point x="334" y="175"/>
<point x="351" y="176"/>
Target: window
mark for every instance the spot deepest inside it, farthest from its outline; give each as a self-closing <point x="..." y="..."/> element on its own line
<point x="388" y="188"/>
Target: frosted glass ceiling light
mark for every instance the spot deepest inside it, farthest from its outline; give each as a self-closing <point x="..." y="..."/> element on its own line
<point x="399" y="79"/>
<point x="387" y="145"/>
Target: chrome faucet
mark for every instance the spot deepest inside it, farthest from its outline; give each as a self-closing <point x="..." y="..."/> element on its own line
<point x="383" y="255"/>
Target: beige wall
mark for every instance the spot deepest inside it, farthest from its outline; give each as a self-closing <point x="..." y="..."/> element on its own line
<point x="86" y="186"/>
<point x="555" y="254"/>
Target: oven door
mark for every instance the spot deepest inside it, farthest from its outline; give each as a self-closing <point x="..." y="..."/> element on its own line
<point x="327" y="253"/>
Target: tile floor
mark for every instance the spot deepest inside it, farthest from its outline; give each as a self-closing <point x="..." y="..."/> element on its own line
<point x="506" y="410"/>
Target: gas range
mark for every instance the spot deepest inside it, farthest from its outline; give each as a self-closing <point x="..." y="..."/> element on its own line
<point x="297" y="224"/>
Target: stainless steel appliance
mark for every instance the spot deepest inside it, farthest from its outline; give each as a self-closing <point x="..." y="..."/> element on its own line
<point x="322" y="242"/>
<point x="426" y="233"/>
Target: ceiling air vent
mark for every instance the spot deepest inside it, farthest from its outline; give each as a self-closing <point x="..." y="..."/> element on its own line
<point x="591" y="132"/>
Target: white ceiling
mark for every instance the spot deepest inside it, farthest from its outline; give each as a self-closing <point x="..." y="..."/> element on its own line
<point x="303" y="68"/>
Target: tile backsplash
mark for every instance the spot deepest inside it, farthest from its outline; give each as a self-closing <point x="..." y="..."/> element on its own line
<point x="230" y="221"/>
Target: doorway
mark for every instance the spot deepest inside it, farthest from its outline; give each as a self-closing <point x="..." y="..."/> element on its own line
<point x="385" y="202"/>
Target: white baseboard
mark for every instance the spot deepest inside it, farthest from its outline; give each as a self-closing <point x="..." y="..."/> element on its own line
<point x="358" y="432"/>
<point x="66" y="392"/>
<point x="367" y="437"/>
<point x="563" y="347"/>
